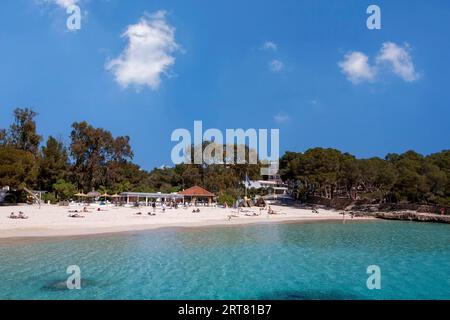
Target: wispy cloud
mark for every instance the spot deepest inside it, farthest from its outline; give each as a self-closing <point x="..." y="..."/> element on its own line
<point x="281" y="117"/>
<point x="276" y="65"/>
<point x="391" y="58"/>
<point x="149" y="53"/>
<point x="269" y="45"/>
<point x="62" y="3"/>
<point x="399" y="60"/>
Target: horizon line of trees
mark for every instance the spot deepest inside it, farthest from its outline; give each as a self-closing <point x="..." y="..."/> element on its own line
<point x="95" y="159"/>
<point x="407" y="177"/>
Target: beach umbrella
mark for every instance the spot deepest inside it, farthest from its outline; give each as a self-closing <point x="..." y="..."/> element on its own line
<point x="115" y="197"/>
<point x="80" y="195"/>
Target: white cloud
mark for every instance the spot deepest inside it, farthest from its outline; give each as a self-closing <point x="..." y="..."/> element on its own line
<point x="356" y="67"/>
<point x="276" y="65"/>
<point x="399" y="60"/>
<point x="281" y="117"/>
<point x="391" y="58"/>
<point x="149" y="53"/>
<point x="63" y="3"/>
<point x="269" y="45"/>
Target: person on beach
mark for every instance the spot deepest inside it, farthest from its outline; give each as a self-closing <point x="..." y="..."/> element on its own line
<point x="163" y="207"/>
<point x="154" y="206"/>
<point x="75" y="215"/>
<point x="22" y="215"/>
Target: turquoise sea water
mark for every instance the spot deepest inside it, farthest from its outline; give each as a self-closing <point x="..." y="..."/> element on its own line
<point x="276" y="261"/>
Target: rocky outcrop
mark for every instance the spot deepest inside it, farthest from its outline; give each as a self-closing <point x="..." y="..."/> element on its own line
<point x="413" y="216"/>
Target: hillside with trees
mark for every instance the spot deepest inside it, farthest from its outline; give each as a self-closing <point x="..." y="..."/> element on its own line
<point x="408" y="177"/>
<point x="95" y="159"/>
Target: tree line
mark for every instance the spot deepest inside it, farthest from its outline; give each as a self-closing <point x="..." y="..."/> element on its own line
<point x="408" y="177"/>
<point x="95" y="159"/>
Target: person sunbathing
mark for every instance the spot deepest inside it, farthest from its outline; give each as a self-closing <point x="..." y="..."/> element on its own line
<point x="75" y="215"/>
<point x="139" y="213"/>
<point x="85" y="209"/>
<point x="254" y="214"/>
<point x="13" y="216"/>
<point x="22" y="215"/>
<point x="271" y="211"/>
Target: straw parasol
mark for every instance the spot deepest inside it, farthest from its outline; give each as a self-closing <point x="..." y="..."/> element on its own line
<point x="81" y="195"/>
<point x="115" y="197"/>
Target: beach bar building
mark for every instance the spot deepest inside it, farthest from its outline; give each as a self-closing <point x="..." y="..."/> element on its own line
<point x="198" y="194"/>
<point x="136" y="197"/>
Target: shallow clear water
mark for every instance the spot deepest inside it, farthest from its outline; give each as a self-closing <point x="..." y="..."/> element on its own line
<point x="276" y="261"/>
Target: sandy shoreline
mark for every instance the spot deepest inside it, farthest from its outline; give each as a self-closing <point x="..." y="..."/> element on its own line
<point x="53" y="221"/>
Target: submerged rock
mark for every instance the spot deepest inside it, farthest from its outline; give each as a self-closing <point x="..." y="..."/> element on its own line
<point x="61" y="285"/>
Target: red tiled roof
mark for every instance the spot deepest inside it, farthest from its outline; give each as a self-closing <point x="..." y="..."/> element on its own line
<point x="196" y="192"/>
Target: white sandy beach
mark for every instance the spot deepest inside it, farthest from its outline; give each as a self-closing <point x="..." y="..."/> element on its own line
<point x="52" y="221"/>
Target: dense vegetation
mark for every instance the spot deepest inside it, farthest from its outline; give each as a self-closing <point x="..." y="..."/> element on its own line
<point x="408" y="177"/>
<point x="95" y="159"/>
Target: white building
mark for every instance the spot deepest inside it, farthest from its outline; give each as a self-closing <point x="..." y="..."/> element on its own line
<point x="278" y="187"/>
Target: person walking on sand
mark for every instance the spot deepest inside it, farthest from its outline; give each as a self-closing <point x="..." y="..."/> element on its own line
<point x="154" y="206"/>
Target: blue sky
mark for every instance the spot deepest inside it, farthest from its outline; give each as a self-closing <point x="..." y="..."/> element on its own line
<point x="310" y="68"/>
